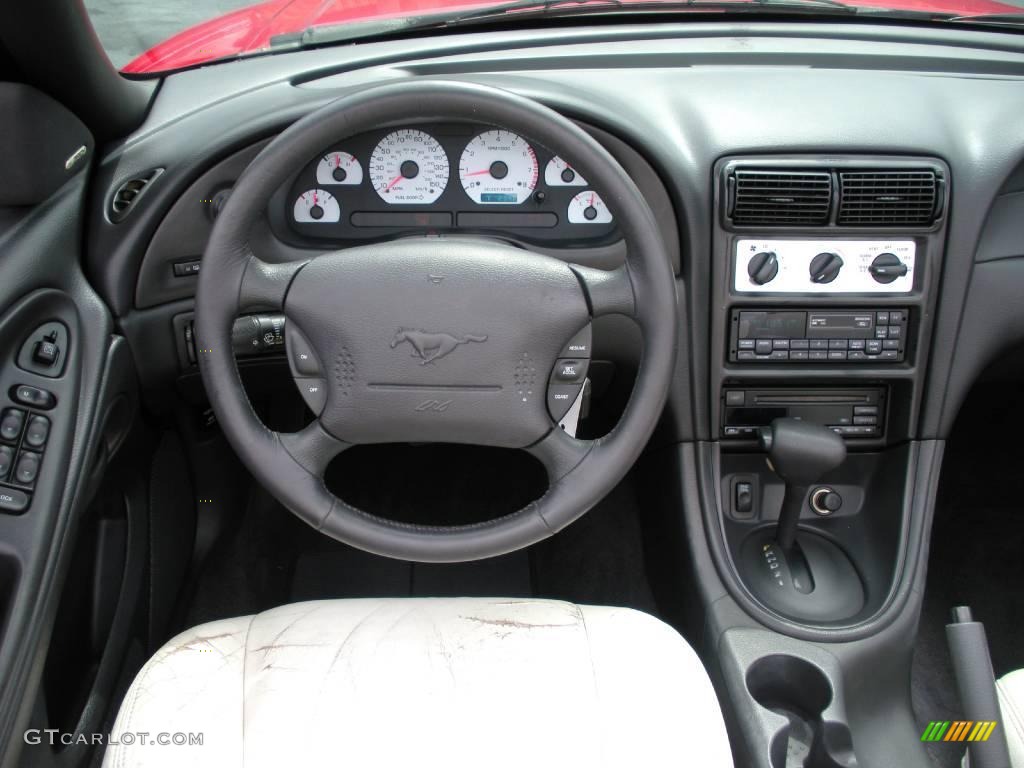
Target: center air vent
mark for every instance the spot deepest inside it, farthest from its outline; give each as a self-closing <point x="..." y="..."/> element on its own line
<point x="888" y="198"/>
<point x="780" y="198"/>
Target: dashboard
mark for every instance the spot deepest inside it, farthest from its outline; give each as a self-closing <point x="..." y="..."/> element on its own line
<point x="437" y="178"/>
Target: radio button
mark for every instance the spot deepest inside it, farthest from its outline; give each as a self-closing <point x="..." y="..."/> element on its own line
<point x="881" y="332"/>
<point x="745" y="344"/>
<point x="780" y="354"/>
<point x="896" y="317"/>
<point x="837" y="344"/>
<point x="857" y="344"/>
<point x="745" y="355"/>
<point x="763" y="346"/>
<point x="798" y="344"/>
<point x="865" y="420"/>
<point x="873" y="346"/>
<point x="818" y="355"/>
<point x="819" y="344"/>
<point x="798" y="354"/>
<point x="780" y="344"/>
<point x="882" y="318"/>
<point x="895" y="332"/>
<point x="865" y="410"/>
<point x="836" y="354"/>
<point x="856" y="355"/>
<point x="891" y="344"/>
<point x="890" y="354"/>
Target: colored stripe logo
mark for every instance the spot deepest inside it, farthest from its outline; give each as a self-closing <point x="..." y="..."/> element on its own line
<point x="958" y="730"/>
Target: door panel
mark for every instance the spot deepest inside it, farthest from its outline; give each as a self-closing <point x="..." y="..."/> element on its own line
<point x="55" y="442"/>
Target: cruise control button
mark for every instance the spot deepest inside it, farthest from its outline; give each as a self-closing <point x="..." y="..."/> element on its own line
<point x="27" y="469"/>
<point x="579" y="345"/>
<point x="314" y="392"/>
<point x="570" y="371"/>
<point x="11" y="424"/>
<point x="38" y="432"/>
<point x="6" y="459"/>
<point x="34" y="396"/>
<point x="301" y="353"/>
<point x="560" y="399"/>
<point x="13" y="500"/>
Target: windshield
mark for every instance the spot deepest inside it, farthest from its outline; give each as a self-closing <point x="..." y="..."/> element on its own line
<point x="150" y="37"/>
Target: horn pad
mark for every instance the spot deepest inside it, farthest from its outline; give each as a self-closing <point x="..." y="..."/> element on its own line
<point x="435" y="340"/>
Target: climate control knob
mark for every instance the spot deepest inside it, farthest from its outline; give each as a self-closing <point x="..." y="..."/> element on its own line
<point x="763" y="267"/>
<point x="825" y="267"/>
<point x="887" y="267"/>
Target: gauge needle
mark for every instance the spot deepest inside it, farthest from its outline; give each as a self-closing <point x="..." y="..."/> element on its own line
<point x="591" y="203"/>
<point x="394" y="181"/>
<point x="478" y="173"/>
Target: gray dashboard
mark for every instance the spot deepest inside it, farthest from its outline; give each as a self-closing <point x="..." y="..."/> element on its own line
<point x="677" y="99"/>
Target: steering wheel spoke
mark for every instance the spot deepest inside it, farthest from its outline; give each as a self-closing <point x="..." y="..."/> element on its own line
<point x="609" y="291"/>
<point x="560" y="453"/>
<point x="265" y="286"/>
<point x="313" y="448"/>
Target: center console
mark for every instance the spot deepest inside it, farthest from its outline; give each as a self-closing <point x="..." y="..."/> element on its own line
<point x="825" y="273"/>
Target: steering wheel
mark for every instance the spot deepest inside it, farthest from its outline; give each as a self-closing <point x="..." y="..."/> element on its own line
<point x="449" y="340"/>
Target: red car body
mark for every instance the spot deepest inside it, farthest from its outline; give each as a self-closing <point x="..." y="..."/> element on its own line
<point x="251" y="29"/>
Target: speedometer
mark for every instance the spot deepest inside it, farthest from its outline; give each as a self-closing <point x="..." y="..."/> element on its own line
<point x="409" y="166"/>
<point x="498" y="167"/>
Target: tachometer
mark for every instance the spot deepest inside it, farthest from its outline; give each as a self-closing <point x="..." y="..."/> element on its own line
<point x="558" y="173"/>
<point x="316" y="207"/>
<point x="339" y="168"/>
<point x="588" y="208"/>
<point x="498" y="167"/>
<point x="409" y="166"/>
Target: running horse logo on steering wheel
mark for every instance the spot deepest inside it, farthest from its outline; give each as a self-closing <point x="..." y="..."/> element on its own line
<point x="432" y="346"/>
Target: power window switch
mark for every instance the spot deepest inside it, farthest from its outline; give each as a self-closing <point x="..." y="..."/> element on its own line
<point x="28" y="468"/>
<point x="38" y="432"/>
<point x="11" y="423"/>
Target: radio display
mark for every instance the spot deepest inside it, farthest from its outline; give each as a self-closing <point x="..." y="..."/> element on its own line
<point x="773" y="325"/>
<point x="850" y="325"/>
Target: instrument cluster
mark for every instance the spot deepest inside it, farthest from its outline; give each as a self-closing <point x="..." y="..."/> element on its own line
<point x="445" y="177"/>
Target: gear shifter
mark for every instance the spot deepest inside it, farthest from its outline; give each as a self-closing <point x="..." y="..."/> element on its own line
<point x="799" y="452"/>
<point x="801" y="575"/>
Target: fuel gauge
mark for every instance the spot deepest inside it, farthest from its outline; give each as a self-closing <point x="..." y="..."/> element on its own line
<point x="316" y="207"/>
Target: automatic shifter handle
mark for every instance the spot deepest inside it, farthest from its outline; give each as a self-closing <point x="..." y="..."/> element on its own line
<point x="800" y="453"/>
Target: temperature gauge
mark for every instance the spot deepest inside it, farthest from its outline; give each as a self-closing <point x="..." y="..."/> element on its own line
<point x="316" y="207"/>
<point x="558" y="173"/>
<point x="339" y="168"/>
<point x="588" y="208"/>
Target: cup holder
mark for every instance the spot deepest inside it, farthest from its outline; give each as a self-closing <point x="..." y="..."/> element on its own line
<point x="799" y="691"/>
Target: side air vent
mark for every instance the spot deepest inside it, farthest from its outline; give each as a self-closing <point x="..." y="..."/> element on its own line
<point x="128" y="194"/>
<point x="888" y="198"/>
<point x="780" y="198"/>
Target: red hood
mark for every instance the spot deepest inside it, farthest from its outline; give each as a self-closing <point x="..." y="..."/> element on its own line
<point x="250" y="29"/>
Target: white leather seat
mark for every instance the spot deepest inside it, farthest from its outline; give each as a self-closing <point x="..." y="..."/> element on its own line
<point x="1010" y="689"/>
<point x="453" y="682"/>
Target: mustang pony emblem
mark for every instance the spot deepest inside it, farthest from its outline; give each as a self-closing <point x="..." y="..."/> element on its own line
<point x="432" y="346"/>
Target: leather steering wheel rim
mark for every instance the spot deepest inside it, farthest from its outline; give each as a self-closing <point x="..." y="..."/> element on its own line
<point x="291" y="466"/>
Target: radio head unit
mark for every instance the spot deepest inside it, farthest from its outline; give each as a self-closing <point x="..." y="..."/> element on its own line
<point x="818" y="336"/>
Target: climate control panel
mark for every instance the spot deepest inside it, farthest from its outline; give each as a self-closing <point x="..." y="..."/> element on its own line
<point x="824" y="266"/>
